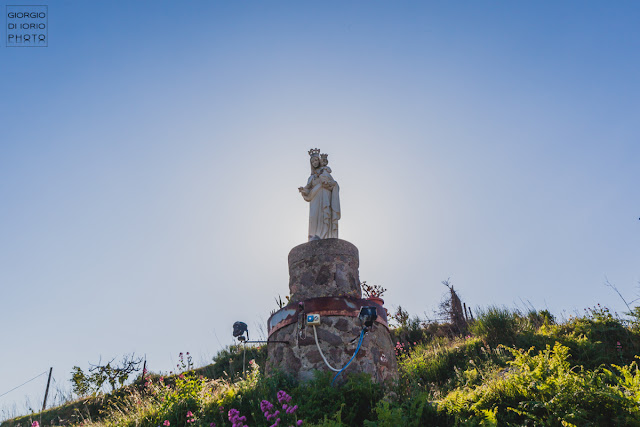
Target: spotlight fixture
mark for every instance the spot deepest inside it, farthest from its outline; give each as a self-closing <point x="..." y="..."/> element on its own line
<point x="367" y="316"/>
<point x="239" y="329"/>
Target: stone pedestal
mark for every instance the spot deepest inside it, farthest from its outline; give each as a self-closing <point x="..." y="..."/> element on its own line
<point x="323" y="279"/>
<point x="322" y="268"/>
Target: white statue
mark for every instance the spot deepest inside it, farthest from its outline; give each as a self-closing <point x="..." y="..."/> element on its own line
<point x="322" y="193"/>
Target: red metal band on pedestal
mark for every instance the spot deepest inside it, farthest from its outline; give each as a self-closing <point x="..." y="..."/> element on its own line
<point x="324" y="306"/>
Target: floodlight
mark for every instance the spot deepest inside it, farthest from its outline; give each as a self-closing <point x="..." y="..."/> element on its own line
<point x="368" y="315"/>
<point x="239" y="329"/>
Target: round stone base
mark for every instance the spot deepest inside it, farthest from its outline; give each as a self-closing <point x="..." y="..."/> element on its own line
<point x="320" y="268"/>
<point x="338" y="337"/>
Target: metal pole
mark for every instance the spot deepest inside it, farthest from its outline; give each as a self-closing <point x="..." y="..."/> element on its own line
<point x="244" y="355"/>
<point x="46" y="393"/>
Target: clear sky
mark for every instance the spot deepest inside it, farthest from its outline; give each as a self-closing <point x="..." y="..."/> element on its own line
<point x="150" y="156"/>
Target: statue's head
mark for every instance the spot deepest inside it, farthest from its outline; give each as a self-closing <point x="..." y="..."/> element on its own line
<point x="323" y="159"/>
<point x="315" y="158"/>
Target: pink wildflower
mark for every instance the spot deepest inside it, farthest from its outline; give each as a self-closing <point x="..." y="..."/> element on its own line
<point x="283" y="397"/>
<point x="166" y="423"/>
<point x="265" y="405"/>
<point x="35" y="424"/>
<point x="235" y="418"/>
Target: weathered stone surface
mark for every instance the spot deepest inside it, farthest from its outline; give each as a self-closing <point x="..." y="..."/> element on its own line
<point x="342" y="325"/>
<point x="328" y="337"/>
<point x="322" y="248"/>
<point x="320" y="268"/>
<point x="314" y="356"/>
<point x="376" y="356"/>
<point x="292" y="360"/>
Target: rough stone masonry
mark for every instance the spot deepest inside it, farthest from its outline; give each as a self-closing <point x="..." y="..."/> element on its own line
<point x="324" y="280"/>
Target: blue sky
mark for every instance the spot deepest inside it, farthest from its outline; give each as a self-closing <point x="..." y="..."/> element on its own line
<point x="150" y="155"/>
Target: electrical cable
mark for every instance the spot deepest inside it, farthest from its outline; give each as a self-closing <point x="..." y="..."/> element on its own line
<point x="320" y="350"/>
<point x="23" y="383"/>
<point x="352" y="357"/>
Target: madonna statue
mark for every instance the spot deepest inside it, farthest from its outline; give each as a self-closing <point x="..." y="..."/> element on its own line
<point x="322" y="193"/>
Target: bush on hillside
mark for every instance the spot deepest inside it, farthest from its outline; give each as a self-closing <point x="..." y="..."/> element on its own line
<point x="228" y="363"/>
<point x="543" y="389"/>
<point x="497" y="325"/>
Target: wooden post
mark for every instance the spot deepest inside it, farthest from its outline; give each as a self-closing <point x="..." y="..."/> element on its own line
<point x="465" y="312"/>
<point x="46" y="393"/>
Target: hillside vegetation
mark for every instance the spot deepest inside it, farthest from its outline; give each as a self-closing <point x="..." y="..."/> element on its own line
<point x="505" y="368"/>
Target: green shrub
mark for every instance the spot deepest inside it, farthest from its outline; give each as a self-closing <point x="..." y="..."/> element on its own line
<point x="597" y="338"/>
<point x="537" y="318"/>
<point x="441" y="367"/>
<point x="418" y="410"/>
<point x="411" y="332"/>
<point x="497" y="325"/>
<point x="634" y="319"/>
<point x="354" y="400"/>
<point x="228" y="363"/>
<point x="317" y="400"/>
<point x="545" y="390"/>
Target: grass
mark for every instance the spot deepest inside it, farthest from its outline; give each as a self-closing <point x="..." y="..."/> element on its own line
<point x="513" y="369"/>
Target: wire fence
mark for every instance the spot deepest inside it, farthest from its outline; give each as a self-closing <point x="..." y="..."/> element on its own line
<point x="24" y="383"/>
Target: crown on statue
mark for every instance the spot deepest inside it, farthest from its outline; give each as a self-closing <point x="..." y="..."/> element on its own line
<point x="314" y="152"/>
<point x="324" y="156"/>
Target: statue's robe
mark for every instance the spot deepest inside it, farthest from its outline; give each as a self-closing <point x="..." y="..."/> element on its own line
<point x="324" y="206"/>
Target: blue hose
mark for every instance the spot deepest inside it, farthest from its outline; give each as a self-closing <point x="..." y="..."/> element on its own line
<point x="352" y="357"/>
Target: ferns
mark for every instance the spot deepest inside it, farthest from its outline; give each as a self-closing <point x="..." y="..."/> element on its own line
<point x="543" y="389"/>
